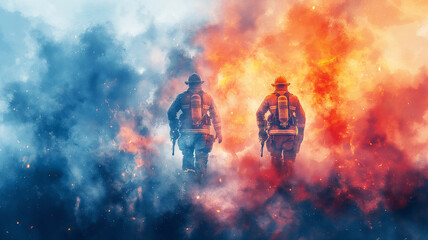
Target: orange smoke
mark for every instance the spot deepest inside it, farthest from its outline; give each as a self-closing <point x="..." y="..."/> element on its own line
<point x="363" y="96"/>
<point x="133" y="142"/>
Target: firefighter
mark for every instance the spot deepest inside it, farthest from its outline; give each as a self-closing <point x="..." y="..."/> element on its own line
<point x="192" y="128"/>
<point x="284" y="128"/>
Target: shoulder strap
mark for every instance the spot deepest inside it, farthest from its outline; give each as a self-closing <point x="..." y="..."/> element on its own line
<point x="201" y="94"/>
<point x="287" y="95"/>
<point x="276" y="117"/>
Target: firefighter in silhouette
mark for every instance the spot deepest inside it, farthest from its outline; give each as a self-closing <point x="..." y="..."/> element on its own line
<point x="284" y="128"/>
<point x="192" y="128"/>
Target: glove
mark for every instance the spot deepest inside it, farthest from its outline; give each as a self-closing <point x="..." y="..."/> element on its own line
<point x="173" y="124"/>
<point x="263" y="135"/>
<point x="298" y="141"/>
<point x="301" y="131"/>
<point x="174" y="134"/>
<point x="219" y="137"/>
<point x="296" y="147"/>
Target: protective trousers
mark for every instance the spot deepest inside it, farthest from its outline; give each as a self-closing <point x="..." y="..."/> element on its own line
<point x="195" y="145"/>
<point x="281" y="148"/>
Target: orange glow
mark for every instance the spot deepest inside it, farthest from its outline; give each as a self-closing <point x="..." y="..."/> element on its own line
<point x="133" y="142"/>
<point x="346" y="67"/>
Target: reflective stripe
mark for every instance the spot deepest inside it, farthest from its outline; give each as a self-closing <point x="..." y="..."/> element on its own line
<point x="292" y="108"/>
<point x="301" y="125"/>
<point x="188" y="106"/>
<point x="200" y="131"/>
<point x="272" y="107"/>
<point x="282" y="132"/>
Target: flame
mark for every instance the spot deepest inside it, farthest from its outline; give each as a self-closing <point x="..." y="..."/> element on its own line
<point x="133" y="142"/>
<point x="363" y="102"/>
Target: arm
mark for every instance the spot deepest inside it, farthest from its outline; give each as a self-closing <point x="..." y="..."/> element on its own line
<point x="264" y="107"/>
<point x="261" y="122"/>
<point x="300" y="122"/>
<point x="172" y="116"/>
<point x="215" y="118"/>
<point x="300" y="119"/>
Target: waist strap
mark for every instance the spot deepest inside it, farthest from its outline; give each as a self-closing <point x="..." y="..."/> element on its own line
<point x="282" y="132"/>
<point x="196" y="131"/>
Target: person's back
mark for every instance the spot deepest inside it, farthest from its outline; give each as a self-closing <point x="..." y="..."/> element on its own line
<point x="285" y="126"/>
<point x="192" y="128"/>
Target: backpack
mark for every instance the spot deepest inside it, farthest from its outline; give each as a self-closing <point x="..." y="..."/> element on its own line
<point x="196" y="108"/>
<point x="283" y="117"/>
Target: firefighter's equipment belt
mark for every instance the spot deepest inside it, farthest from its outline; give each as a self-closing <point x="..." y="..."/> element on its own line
<point x="198" y="131"/>
<point x="282" y="132"/>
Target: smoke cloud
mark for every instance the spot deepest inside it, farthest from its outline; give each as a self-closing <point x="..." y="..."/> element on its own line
<point x="84" y="138"/>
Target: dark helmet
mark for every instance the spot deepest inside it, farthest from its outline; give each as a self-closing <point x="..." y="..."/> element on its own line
<point x="281" y="81"/>
<point x="194" y="79"/>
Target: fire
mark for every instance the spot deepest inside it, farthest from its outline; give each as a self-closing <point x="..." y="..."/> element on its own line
<point x="360" y="125"/>
<point x="133" y="142"/>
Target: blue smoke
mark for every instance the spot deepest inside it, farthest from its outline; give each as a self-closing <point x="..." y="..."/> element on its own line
<point x="62" y="174"/>
<point x="63" y="177"/>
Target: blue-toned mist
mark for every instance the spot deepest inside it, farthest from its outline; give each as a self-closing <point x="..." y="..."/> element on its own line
<point x="69" y="76"/>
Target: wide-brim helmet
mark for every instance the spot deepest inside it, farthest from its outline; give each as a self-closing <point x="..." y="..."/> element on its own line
<point x="281" y="81"/>
<point x="194" y="79"/>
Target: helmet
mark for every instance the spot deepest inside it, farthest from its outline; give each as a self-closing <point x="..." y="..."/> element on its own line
<point x="194" y="79"/>
<point x="281" y="81"/>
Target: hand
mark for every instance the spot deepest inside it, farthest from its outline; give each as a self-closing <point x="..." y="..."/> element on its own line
<point x="174" y="134"/>
<point x="219" y="137"/>
<point x="296" y="148"/>
<point x="299" y="138"/>
<point x="263" y="135"/>
<point x="297" y="142"/>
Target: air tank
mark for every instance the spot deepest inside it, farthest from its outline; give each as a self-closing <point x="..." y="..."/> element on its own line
<point x="196" y="109"/>
<point x="283" y="110"/>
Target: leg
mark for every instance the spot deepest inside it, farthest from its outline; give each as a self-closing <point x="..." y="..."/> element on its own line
<point x="188" y="160"/>
<point x="187" y="147"/>
<point x="276" y="162"/>
<point x="275" y="151"/>
<point x="203" y="146"/>
<point x="201" y="163"/>
<point x="289" y="155"/>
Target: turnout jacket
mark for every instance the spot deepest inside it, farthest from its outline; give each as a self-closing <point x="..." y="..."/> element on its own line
<point x="270" y="103"/>
<point x="184" y="122"/>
